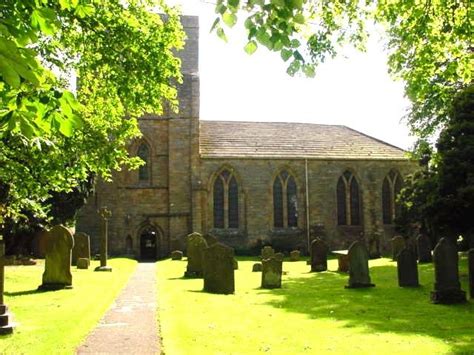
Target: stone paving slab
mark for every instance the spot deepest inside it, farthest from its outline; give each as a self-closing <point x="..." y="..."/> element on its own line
<point x="130" y="326"/>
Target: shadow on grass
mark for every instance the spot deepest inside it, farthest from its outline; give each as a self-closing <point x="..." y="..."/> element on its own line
<point x="28" y="292"/>
<point x="384" y="308"/>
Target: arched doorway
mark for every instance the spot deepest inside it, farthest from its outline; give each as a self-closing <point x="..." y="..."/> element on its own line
<point x="149" y="243"/>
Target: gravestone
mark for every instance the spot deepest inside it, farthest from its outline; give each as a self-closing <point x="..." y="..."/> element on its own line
<point x="210" y="239"/>
<point x="358" y="266"/>
<point x="176" y="255"/>
<point x="295" y="255"/>
<point x="398" y="244"/>
<point x="271" y="273"/>
<point x="267" y="252"/>
<point x="57" y="270"/>
<point x="319" y="255"/>
<point x="195" y="245"/>
<point x="407" y="268"/>
<point x="82" y="247"/>
<point x="105" y="214"/>
<point x="423" y="248"/>
<point x="470" y="262"/>
<point x="447" y="289"/>
<point x="279" y="256"/>
<point x="257" y="267"/>
<point x="236" y="264"/>
<point x="5" y="326"/>
<point x="83" y="263"/>
<point x="218" y="269"/>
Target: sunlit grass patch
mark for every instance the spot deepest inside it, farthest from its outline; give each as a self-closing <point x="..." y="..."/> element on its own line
<point x="312" y="313"/>
<point x="57" y="321"/>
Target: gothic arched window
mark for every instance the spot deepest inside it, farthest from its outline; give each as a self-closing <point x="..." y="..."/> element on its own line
<point x="226" y="200"/>
<point x="392" y="184"/>
<point x="143" y="152"/>
<point x="348" y="200"/>
<point x="285" y="202"/>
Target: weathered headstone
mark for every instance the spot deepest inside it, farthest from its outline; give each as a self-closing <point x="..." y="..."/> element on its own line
<point x="218" y="269"/>
<point x="236" y="264"/>
<point x="407" y="268"/>
<point x="470" y="262"/>
<point x="423" y="247"/>
<point x="195" y="245"/>
<point x="267" y="252"/>
<point x="279" y="256"/>
<point x="176" y="255"/>
<point x="319" y="255"/>
<point x="5" y="326"/>
<point x="447" y="289"/>
<point x="358" y="266"/>
<point x="105" y="214"/>
<point x="295" y="255"/>
<point x="271" y="273"/>
<point x="398" y="244"/>
<point x="83" y="263"/>
<point x="210" y="239"/>
<point x="257" y="267"/>
<point x="57" y="270"/>
<point x="82" y="247"/>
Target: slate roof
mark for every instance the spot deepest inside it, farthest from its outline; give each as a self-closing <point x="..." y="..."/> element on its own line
<point x="235" y="139"/>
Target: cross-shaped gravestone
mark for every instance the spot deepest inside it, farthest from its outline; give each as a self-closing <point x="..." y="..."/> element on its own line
<point x="5" y="326"/>
<point x="105" y="214"/>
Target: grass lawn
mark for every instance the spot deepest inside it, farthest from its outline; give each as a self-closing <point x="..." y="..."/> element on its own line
<point x="56" y="322"/>
<point x="311" y="314"/>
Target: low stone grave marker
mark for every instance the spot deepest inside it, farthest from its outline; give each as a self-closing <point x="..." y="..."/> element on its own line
<point x="83" y="263"/>
<point x="295" y="255"/>
<point x="257" y="267"/>
<point x="342" y="260"/>
<point x="319" y="255"/>
<point x="176" y="255"/>
<point x="236" y="264"/>
<point x="447" y="288"/>
<point x="82" y="247"/>
<point x="195" y="245"/>
<point x="218" y="269"/>
<point x="57" y="271"/>
<point x="423" y="248"/>
<point x="358" y="266"/>
<point x="271" y="273"/>
<point x="398" y="244"/>
<point x="407" y="268"/>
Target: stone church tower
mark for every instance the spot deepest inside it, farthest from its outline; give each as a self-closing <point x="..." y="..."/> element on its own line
<point x="152" y="204"/>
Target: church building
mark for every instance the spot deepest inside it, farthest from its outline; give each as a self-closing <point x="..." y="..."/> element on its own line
<point x="247" y="183"/>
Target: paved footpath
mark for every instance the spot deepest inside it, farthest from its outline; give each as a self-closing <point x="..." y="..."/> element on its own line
<point x="130" y="326"/>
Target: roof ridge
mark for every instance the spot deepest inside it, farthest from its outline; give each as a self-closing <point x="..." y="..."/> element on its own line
<point x="375" y="139"/>
<point x="277" y="122"/>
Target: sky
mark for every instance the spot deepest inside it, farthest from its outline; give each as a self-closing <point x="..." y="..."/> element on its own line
<point x="353" y="89"/>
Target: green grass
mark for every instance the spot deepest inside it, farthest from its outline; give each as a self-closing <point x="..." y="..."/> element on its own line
<point x="56" y="322"/>
<point x="313" y="313"/>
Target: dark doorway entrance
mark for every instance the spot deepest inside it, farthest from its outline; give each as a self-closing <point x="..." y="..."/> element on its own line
<point x="148" y="243"/>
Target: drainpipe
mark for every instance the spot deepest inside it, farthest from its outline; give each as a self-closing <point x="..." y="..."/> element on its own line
<point x="307" y="203"/>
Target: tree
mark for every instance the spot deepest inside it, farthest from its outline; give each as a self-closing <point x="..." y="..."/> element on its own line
<point x="441" y="194"/>
<point x="429" y="42"/>
<point x="54" y="141"/>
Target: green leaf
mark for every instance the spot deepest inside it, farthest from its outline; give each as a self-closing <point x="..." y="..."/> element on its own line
<point x="229" y="19"/>
<point x="309" y="70"/>
<point x="221" y="34"/>
<point x="295" y="43"/>
<point x="286" y="54"/>
<point x="9" y="75"/>
<point x="296" y="4"/>
<point x="220" y="9"/>
<point x="278" y="3"/>
<point x="84" y="11"/>
<point x="250" y="47"/>
<point x="299" y="18"/>
<point x="234" y="3"/>
<point x="215" y="23"/>
<point x="44" y="19"/>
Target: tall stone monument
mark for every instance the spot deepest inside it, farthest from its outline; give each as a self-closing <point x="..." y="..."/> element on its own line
<point x="5" y="326"/>
<point x="218" y="269"/>
<point x="105" y="214"/>
<point x="358" y="266"/>
<point x="447" y="288"/>
<point x="319" y="255"/>
<point x="57" y="268"/>
<point x="195" y="245"/>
